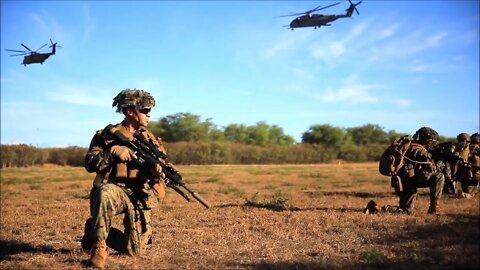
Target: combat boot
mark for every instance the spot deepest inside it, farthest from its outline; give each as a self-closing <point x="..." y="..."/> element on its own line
<point x="435" y="208"/>
<point x="371" y="208"/>
<point x="99" y="254"/>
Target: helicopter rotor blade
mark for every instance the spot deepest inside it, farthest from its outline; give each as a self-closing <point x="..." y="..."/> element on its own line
<point x="16" y="51"/>
<point x="294" y="14"/>
<point x="310" y="11"/>
<point x="318" y="8"/>
<point x="25" y="47"/>
<point x="19" y="54"/>
<point x="355" y="6"/>
<point x="314" y="9"/>
<point x="42" y="47"/>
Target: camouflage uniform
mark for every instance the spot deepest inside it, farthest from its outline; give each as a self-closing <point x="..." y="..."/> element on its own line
<point x="416" y="176"/>
<point x="419" y="171"/>
<point x="463" y="172"/>
<point x="471" y="175"/>
<point x="443" y="156"/>
<point x="121" y="188"/>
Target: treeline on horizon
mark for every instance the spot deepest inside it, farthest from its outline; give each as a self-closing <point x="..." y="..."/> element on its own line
<point x="190" y="140"/>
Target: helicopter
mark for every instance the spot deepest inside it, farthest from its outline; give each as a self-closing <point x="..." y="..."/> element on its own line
<point x="32" y="57"/>
<point x="310" y="19"/>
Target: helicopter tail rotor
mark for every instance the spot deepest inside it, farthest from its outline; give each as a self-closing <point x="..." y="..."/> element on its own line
<point x="353" y="7"/>
<point x="54" y="44"/>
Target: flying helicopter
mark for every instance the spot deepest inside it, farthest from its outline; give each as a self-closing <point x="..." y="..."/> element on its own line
<point x="31" y="57"/>
<point x="310" y="19"/>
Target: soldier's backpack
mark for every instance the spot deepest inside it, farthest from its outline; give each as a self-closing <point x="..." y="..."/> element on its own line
<point x="393" y="157"/>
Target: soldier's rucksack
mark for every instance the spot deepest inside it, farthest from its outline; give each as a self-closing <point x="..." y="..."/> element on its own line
<point x="393" y="157"/>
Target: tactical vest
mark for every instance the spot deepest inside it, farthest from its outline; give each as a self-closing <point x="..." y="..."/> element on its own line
<point x="474" y="161"/>
<point x="126" y="173"/>
<point x="462" y="150"/>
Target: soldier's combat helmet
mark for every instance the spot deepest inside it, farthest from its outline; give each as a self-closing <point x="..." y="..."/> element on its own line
<point x="463" y="137"/>
<point x="426" y="134"/>
<point x="475" y="138"/>
<point x="136" y="98"/>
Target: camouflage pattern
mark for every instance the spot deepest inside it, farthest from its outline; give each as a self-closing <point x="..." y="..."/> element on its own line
<point x="475" y="138"/>
<point x="426" y="134"/>
<point x="443" y="156"/>
<point x="120" y="188"/>
<point x="470" y="182"/>
<point x="138" y="99"/>
<point x="462" y="171"/>
<point x="463" y="137"/>
<point x="415" y="175"/>
<point x="474" y="160"/>
<point x="111" y="200"/>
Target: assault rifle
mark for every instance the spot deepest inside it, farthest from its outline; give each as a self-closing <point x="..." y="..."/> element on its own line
<point x="444" y="152"/>
<point x="149" y="155"/>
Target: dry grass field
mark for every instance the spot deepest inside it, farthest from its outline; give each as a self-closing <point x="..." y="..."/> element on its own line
<point x="262" y="217"/>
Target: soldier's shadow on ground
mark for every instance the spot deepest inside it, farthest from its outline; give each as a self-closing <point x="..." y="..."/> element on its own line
<point x="288" y="265"/>
<point x="9" y="248"/>
<point x="280" y="208"/>
<point x="357" y="194"/>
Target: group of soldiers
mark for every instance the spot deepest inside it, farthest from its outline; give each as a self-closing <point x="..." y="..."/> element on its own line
<point x="444" y="168"/>
<point x="460" y="165"/>
<point x="122" y="186"/>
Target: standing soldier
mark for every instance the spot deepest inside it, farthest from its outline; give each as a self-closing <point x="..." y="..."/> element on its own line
<point x="120" y="185"/>
<point x="418" y="171"/>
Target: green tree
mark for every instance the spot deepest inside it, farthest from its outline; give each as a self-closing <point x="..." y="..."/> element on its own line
<point x="277" y="136"/>
<point x="185" y="127"/>
<point x="260" y="134"/>
<point x="236" y="133"/>
<point x="326" y="135"/>
<point x="8" y="156"/>
<point x="368" y="134"/>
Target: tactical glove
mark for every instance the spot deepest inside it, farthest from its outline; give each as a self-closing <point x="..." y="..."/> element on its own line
<point x="159" y="172"/>
<point x="122" y="153"/>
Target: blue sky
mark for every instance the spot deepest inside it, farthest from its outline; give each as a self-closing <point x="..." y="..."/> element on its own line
<point x="401" y="65"/>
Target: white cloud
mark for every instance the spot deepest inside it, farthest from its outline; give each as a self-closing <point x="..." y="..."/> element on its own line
<point x="434" y="40"/>
<point x="79" y="95"/>
<point x="351" y="91"/>
<point x="329" y="52"/>
<point x="419" y="67"/>
<point x="303" y="74"/>
<point x="357" y="30"/>
<point x="387" y="31"/>
<point x="88" y="24"/>
<point x="406" y="45"/>
<point x="403" y="102"/>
